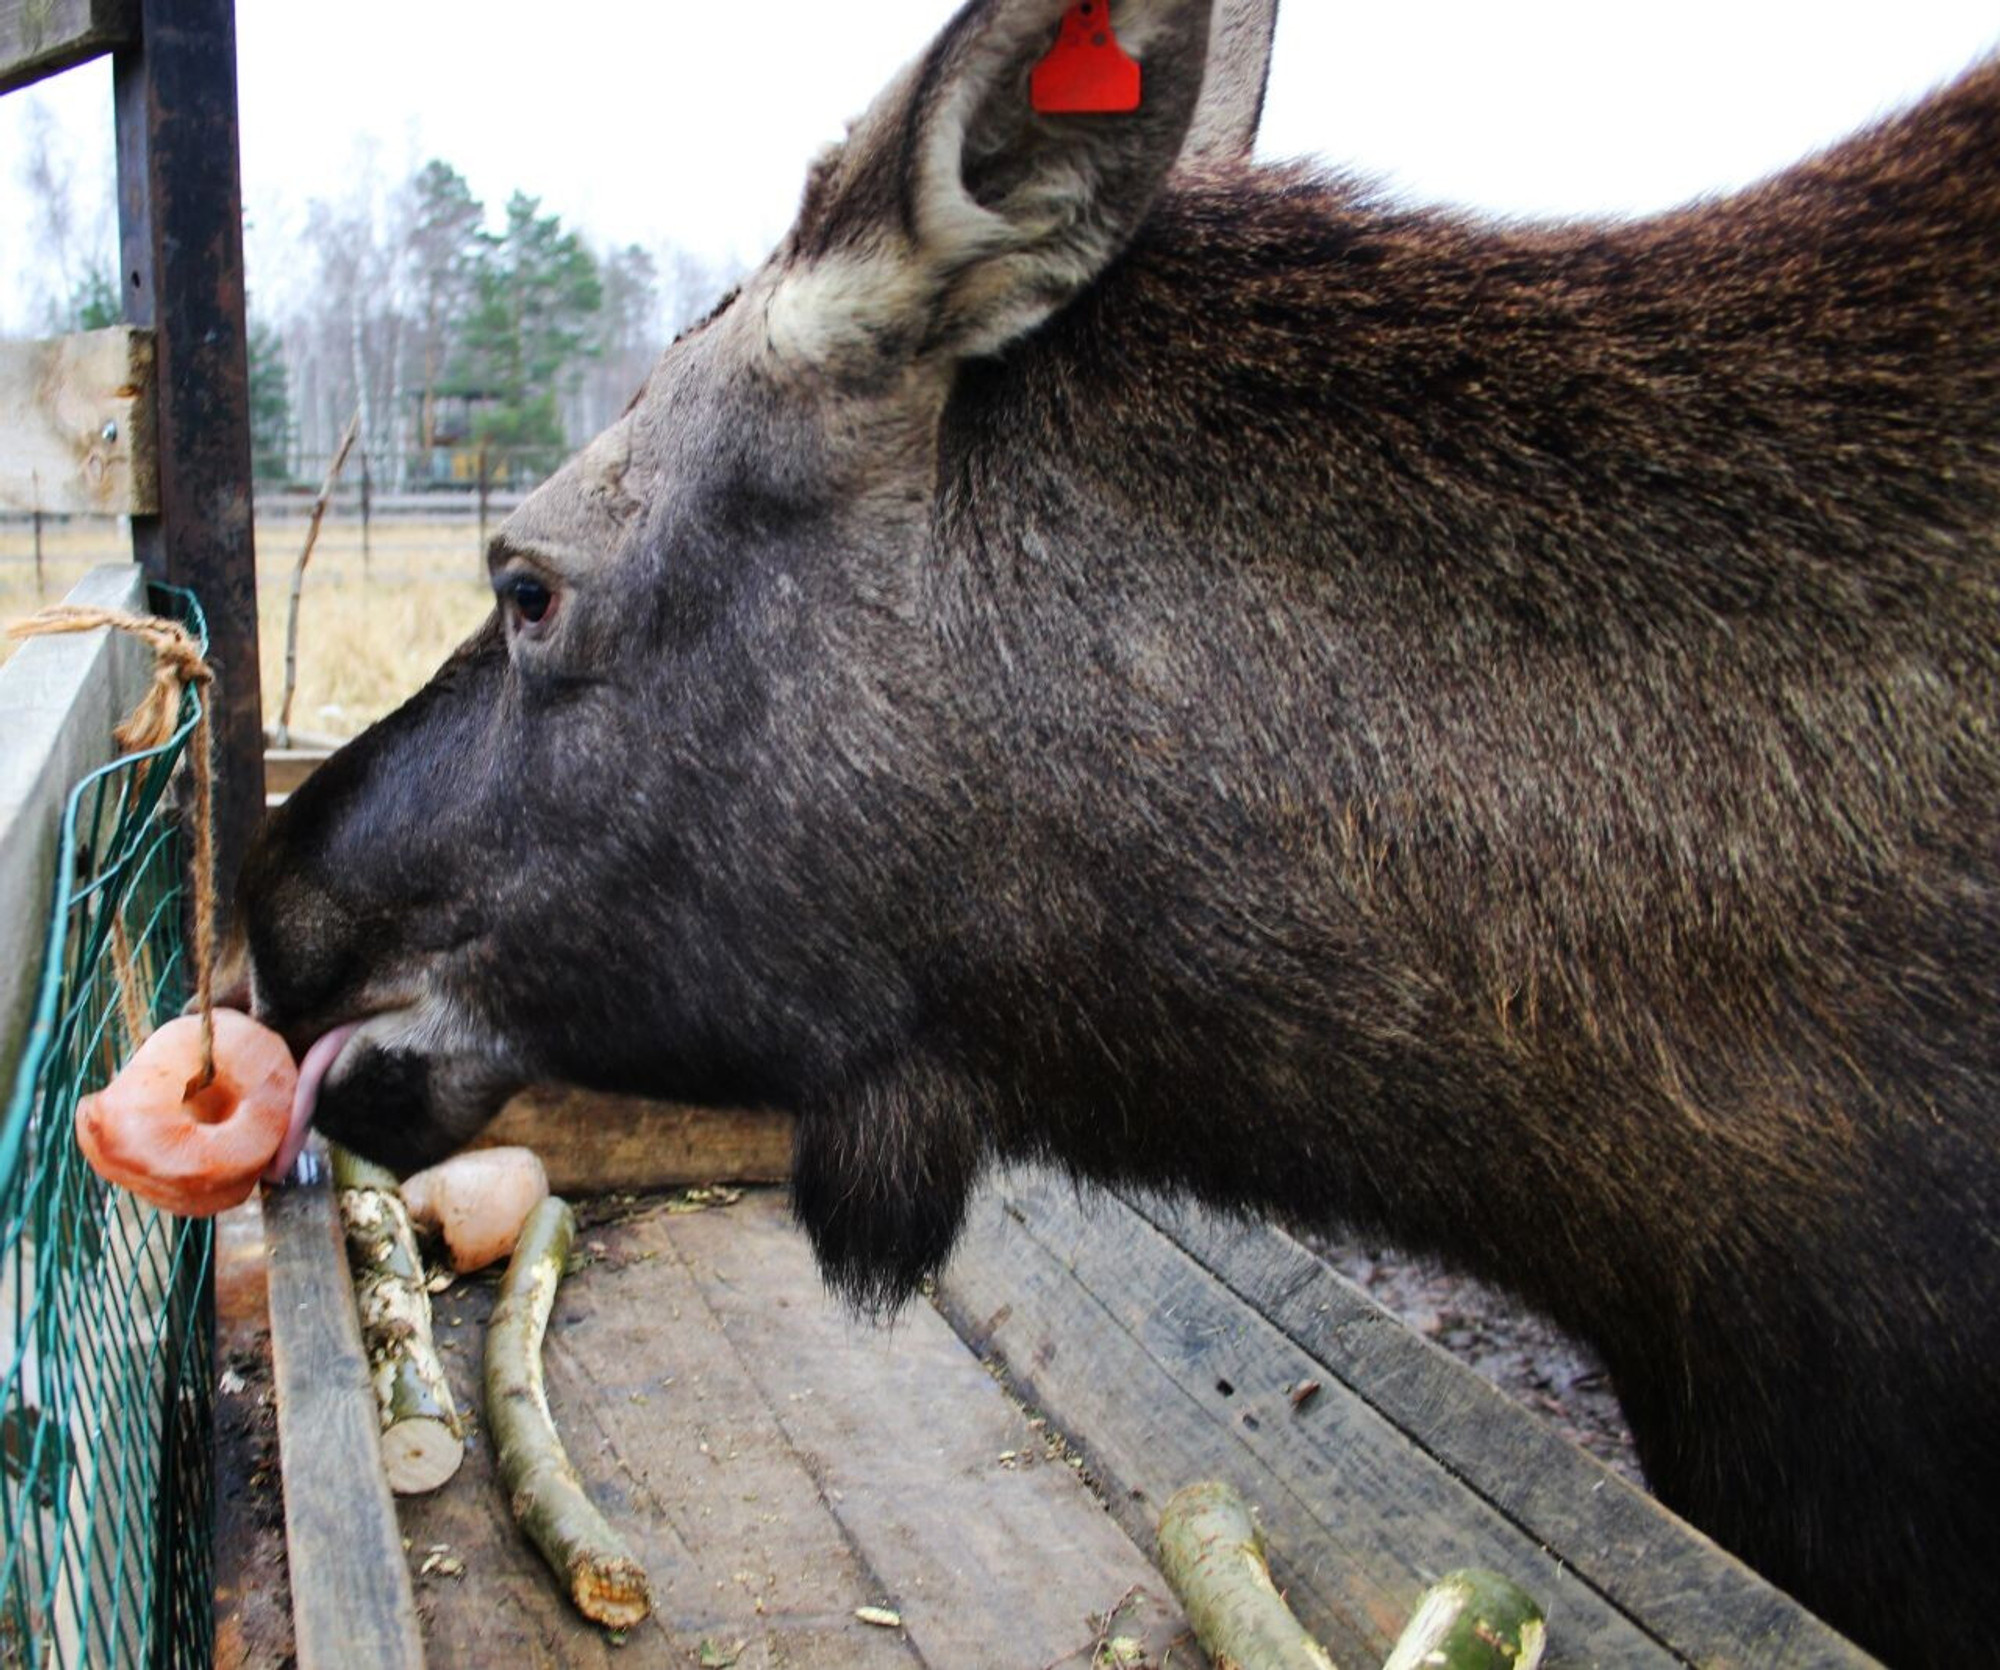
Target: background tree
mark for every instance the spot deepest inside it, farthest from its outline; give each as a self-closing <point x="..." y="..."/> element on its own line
<point x="94" y="302"/>
<point x="71" y="231"/>
<point x="270" y="404"/>
<point x="627" y="339"/>
<point x="47" y="175"/>
<point x="445" y="333"/>
<point x="536" y="299"/>
<point x="346" y="342"/>
<point x="440" y="239"/>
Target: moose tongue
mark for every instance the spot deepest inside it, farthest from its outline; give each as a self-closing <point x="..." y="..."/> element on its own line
<point x="312" y="1072"/>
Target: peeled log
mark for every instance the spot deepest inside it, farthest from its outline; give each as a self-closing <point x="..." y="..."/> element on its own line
<point x="1210" y="1552"/>
<point x="422" y="1444"/>
<point x="1472" y="1620"/>
<point x="607" y="1584"/>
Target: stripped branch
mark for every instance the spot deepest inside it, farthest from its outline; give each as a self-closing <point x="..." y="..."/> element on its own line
<point x="607" y="1584"/>
<point x="283" y="736"/>
<point x="421" y="1434"/>
<point x="1212" y="1555"/>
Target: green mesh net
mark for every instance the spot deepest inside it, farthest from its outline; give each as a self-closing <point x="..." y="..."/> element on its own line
<point x="106" y="1314"/>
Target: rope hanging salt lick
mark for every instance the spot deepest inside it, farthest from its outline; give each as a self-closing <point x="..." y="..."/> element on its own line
<point x="177" y="663"/>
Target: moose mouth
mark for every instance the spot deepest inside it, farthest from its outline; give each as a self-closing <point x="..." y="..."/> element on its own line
<point x="313" y="1069"/>
<point x="403" y="1086"/>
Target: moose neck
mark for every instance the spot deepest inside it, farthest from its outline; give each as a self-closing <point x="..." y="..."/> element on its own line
<point x="1533" y="530"/>
<point x="1658" y="421"/>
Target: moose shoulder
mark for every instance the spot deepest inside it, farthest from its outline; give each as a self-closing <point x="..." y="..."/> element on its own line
<point x="1485" y="734"/>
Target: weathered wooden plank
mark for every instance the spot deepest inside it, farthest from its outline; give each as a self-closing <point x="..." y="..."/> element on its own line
<point x="40" y="37"/>
<point x="60" y="698"/>
<point x="76" y="424"/>
<point x="674" y="1441"/>
<point x="1161" y="1377"/>
<point x="985" y="1540"/>
<point x="776" y="1466"/>
<point x="351" y="1598"/>
<point x="600" y="1144"/>
<point x="180" y="214"/>
<point x="1698" y="1600"/>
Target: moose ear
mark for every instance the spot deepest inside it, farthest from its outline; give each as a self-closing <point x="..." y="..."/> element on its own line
<point x="956" y="217"/>
<point x="1232" y="94"/>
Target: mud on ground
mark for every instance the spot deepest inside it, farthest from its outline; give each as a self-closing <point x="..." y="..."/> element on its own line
<point x="1534" y="1362"/>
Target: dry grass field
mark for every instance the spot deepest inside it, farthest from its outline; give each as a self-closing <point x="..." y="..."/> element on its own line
<point x="366" y="639"/>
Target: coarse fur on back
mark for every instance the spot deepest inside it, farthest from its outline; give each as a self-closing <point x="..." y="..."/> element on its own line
<point x="1225" y="682"/>
<point x="1640" y="817"/>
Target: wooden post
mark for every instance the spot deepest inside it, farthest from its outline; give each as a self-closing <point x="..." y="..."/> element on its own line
<point x="181" y="239"/>
<point x="41" y="583"/>
<point x="367" y="498"/>
<point x="180" y="226"/>
<point x="485" y="480"/>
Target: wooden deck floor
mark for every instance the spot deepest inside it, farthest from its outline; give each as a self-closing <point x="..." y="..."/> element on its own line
<point x="777" y="1465"/>
<point x="780" y="1466"/>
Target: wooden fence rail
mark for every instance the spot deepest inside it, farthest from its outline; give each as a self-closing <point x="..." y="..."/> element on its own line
<point x="40" y="37"/>
<point x="60" y="698"/>
<point x="76" y="425"/>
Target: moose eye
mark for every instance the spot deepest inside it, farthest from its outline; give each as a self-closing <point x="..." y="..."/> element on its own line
<point x="531" y="599"/>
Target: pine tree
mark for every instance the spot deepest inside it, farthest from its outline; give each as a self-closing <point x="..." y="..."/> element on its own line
<point x="270" y="405"/>
<point x="441" y="251"/>
<point x="530" y="334"/>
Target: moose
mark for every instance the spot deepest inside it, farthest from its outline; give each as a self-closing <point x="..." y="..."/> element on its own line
<point x="1102" y="652"/>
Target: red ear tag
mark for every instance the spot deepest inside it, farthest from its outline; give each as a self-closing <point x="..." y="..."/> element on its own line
<point x="1086" y="72"/>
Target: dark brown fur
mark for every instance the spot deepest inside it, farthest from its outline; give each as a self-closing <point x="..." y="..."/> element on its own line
<point x="1485" y="734"/>
<point x="1659" y="802"/>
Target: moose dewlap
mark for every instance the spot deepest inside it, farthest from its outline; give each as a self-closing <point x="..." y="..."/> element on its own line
<point x="191" y="1147"/>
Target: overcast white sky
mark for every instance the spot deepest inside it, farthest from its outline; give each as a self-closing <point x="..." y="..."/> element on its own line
<point x="691" y="124"/>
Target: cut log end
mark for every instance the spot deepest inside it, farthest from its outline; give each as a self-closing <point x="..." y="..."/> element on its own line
<point x="421" y="1442"/>
<point x="420" y="1454"/>
<point x="612" y="1591"/>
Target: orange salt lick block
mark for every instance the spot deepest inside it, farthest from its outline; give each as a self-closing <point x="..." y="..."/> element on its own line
<point x="192" y="1150"/>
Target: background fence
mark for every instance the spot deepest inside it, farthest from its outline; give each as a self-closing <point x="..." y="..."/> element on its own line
<point x="43" y="551"/>
<point x="396" y="581"/>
